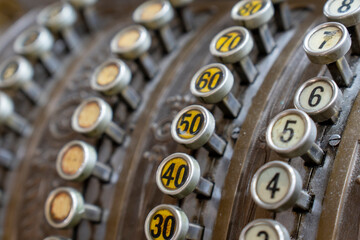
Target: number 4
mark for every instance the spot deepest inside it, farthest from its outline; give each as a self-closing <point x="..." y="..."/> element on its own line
<point x="272" y="186"/>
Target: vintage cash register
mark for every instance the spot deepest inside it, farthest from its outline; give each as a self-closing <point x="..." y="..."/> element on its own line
<point x="179" y="119"/>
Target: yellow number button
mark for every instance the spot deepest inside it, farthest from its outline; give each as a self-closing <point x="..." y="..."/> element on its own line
<point x="65" y="207"/>
<point x="255" y="15"/>
<point x="168" y="222"/>
<point x="320" y="98"/>
<point x="233" y="46"/>
<point x="179" y="174"/>
<point x="213" y="84"/>
<point x="264" y="229"/>
<point x="277" y="186"/>
<point x="327" y="44"/>
<point x="292" y="133"/>
<point x="194" y="126"/>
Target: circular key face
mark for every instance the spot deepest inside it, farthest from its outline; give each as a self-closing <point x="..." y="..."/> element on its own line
<point x="64" y="207"/>
<point x="232" y="44"/>
<point x="9" y="70"/>
<point x="111" y="77"/>
<point x="319" y="97"/>
<point x="72" y="160"/>
<point x="276" y="186"/>
<point x="166" y="222"/>
<point x="212" y="83"/>
<point x="178" y="175"/>
<point x="252" y="13"/>
<point x="291" y="133"/>
<point x="35" y="41"/>
<point x="131" y="42"/>
<point x="327" y="43"/>
<point x="264" y="229"/>
<point x="154" y="14"/>
<point x="57" y="16"/>
<point x="89" y="115"/>
<point x="344" y="11"/>
<point x="14" y="72"/>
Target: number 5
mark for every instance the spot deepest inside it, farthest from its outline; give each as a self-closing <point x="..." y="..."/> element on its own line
<point x="288" y="129"/>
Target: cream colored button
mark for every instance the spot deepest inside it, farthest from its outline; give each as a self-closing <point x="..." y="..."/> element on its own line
<point x="113" y="78"/>
<point x="77" y="161"/>
<point x="233" y="45"/>
<point x="320" y="98"/>
<point x="170" y="222"/>
<point x="133" y="43"/>
<point x="156" y="15"/>
<point x="10" y="119"/>
<point x="255" y="15"/>
<point x="327" y="44"/>
<point x="60" y="18"/>
<point x="264" y="229"/>
<point x="277" y="186"/>
<point x="93" y="117"/>
<point x="17" y="73"/>
<point x="292" y="133"/>
<point x="213" y="84"/>
<point x="65" y="208"/>
<point x="348" y="13"/>
<point x="178" y="175"/>
<point x="36" y="43"/>
<point x="194" y="127"/>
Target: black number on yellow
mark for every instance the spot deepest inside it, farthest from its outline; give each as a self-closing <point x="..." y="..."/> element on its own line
<point x="345" y="6"/>
<point x="168" y="174"/>
<point x="204" y="82"/>
<point x="316" y="97"/>
<point x="250" y="8"/>
<point x="179" y="178"/>
<point x="288" y="129"/>
<point x="235" y="41"/>
<point x="265" y="234"/>
<point x="192" y="127"/>
<point x="272" y="186"/>
<point x="167" y="234"/>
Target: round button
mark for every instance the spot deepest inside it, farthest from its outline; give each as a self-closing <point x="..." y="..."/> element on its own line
<point x="232" y="44"/>
<point x="276" y="186"/>
<point x="111" y="77"/>
<point x="15" y="72"/>
<point x="131" y="42"/>
<point x="193" y="126"/>
<point x="327" y="43"/>
<point x="320" y="98"/>
<point x="154" y="14"/>
<point x="57" y="16"/>
<point x="264" y="229"/>
<point x="92" y="117"/>
<point x="252" y="13"/>
<point x="291" y="133"/>
<point x="346" y="12"/>
<point x="166" y="222"/>
<point x="76" y="161"/>
<point x="64" y="207"/>
<point x="212" y="83"/>
<point x="178" y="175"/>
<point x="35" y="41"/>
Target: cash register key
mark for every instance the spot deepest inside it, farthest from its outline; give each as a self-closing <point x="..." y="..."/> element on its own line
<point x="255" y="16"/>
<point x="17" y="73"/>
<point x="233" y="46"/>
<point x="320" y="98"/>
<point x="36" y="43"/>
<point x="60" y="18"/>
<point x="113" y="78"/>
<point x="194" y="127"/>
<point x="347" y="13"/>
<point x="327" y="44"/>
<point x="65" y="208"/>
<point x="77" y="161"/>
<point x="184" y="13"/>
<point x="178" y="175"/>
<point x="277" y="186"/>
<point x="156" y="15"/>
<point x="133" y="43"/>
<point x="170" y="222"/>
<point x="93" y="118"/>
<point x="292" y="133"/>
<point x="212" y="84"/>
<point x="264" y="229"/>
<point x="10" y="119"/>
